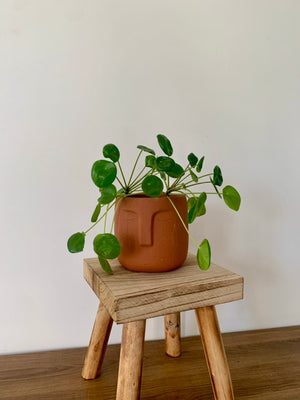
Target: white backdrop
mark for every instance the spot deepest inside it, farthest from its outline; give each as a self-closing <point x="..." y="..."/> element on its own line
<point x="220" y="78"/>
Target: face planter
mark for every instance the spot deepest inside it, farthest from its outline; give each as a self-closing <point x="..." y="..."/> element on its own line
<point x="152" y="237"/>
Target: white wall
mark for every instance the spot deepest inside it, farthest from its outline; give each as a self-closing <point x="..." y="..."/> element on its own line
<point x="220" y="78"/>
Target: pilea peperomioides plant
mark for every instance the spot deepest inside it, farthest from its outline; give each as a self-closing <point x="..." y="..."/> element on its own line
<point x="158" y="175"/>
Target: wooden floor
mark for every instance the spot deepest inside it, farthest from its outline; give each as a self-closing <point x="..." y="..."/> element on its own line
<point x="264" y="365"/>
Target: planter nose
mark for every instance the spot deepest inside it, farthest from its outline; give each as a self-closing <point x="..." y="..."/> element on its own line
<point x="145" y="229"/>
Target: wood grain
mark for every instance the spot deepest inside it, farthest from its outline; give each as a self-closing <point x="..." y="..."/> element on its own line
<point x="215" y="353"/>
<point x="130" y="296"/>
<point x="264" y="364"/>
<point x="131" y="361"/>
<point x="98" y="342"/>
<point x="172" y="334"/>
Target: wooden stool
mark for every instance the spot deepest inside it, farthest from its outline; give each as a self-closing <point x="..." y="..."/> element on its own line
<point x="130" y="298"/>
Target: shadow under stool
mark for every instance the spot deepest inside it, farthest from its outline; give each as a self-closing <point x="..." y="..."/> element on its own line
<point x="129" y="298"/>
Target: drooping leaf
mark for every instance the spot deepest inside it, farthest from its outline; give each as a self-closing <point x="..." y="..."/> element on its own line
<point x="195" y="209"/>
<point x="164" y="163"/>
<point x="105" y="265"/>
<point x="202" y="211"/>
<point x="146" y="149"/>
<point x="96" y="213"/>
<point x="191" y="202"/>
<point x="112" y="152"/>
<point x="192" y="160"/>
<point x="165" y="144"/>
<point x="108" y="194"/>
<point x="232" y="197"/>
<point x="150" y="161"/>
<point x="176" y="171"/>
<point x="152" y="186"/>
<point x="215" y="187"/>
<point x="103" y="173"/>
<point x="106" y="245"/>
<point x="76" y="242"/>
<point x="200" y="164"/>
<point x="204" y="255"/>
<point x="192" y="214"/>
<point x="218" y="178"/>
<point x="201" y="200"/>
<point x="193" y="176"/>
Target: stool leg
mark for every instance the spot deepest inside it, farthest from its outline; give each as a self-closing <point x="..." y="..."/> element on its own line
<point x="172" y="333"/>
<point x="215" y="353"/>
<point x="131" y="360"/>
<point x="98" y="343"/>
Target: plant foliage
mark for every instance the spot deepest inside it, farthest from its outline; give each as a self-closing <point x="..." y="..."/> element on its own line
<point x="158" y="175"/>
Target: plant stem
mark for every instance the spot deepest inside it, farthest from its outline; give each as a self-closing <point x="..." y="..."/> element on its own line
<point x="137" y="183"/>
<point x="105" y="219"/>
<point x="122" y="174"/>
<point x="91" y="227"/>
<point x="134" y="167"/>
<point x="177" y="212"/>
<point x="203" y="176"/>
<point x="176" y="182"/>
<point x="123" y="187"/>
<point x="198" y="183"/>
<point x="205" y="192"/>
<point x="191" y="181"/>
<point x="190" y="192"/>
<point x="185" y="187"/>
<point x="199" y="177"/>
<point x="136" y="178"/>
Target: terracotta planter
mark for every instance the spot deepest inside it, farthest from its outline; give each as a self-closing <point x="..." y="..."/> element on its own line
<point x="151" y="234"/>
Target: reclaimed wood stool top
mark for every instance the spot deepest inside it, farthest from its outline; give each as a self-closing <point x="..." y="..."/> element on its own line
<point x="131" y="296"/>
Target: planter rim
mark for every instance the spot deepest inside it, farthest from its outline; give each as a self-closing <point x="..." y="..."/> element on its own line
<point x="144" y="196"/>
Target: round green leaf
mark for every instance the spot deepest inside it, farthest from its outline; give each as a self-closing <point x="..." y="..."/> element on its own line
<point x="112" y="152"/>
<point x="200" y="164"/>
<point x="106" y="245"/>
<point x="108" y="194"/>
<point x="175" y="171"/>
<point x="76" y="242"/>
<point x="96" y="213"/>
<point x="105" y="265"/>
<point x="165" y="163"/>
<point x="217" y="178"/>
<point x="152" y="186"/>
<point x="204" y="255"/>
<point x="192" y="160"/>
<point x="146" y="149"/>
<point x="103" y="173"/>
<point x="150" y="161"/>
<point x="165" y="144"/>
<point x="232" y="197"/>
